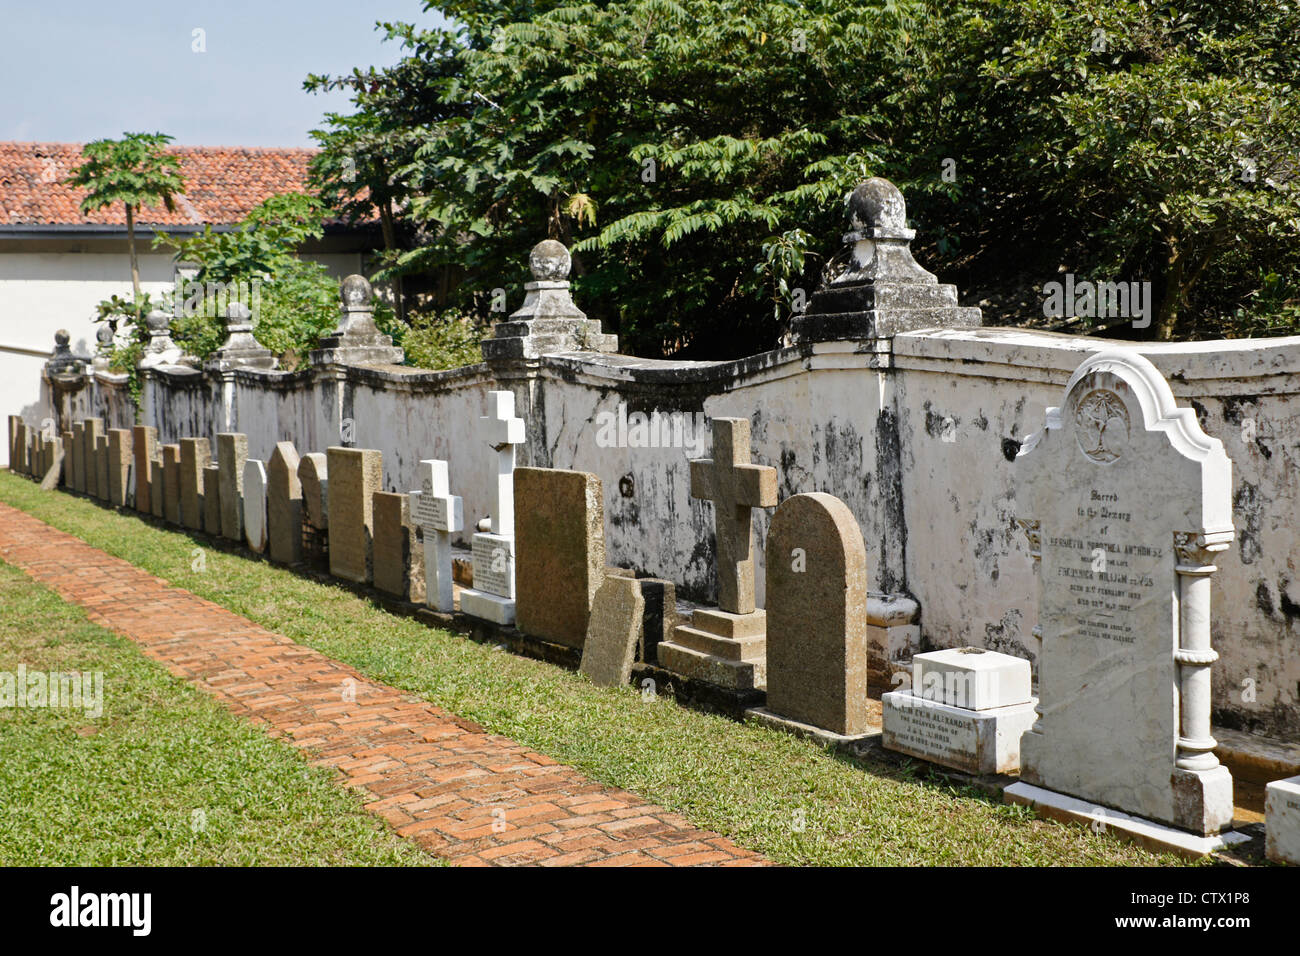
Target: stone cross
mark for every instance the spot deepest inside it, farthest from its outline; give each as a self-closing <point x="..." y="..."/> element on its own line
<point x="734" y="486"/>
<point x="438" y="514"/>
<point x="503" y="431"/>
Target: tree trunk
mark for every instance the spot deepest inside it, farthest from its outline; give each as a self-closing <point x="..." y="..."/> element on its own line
<point x="135" y="265"/>
<point x="1167" y="318"/>
<point x="390" y="243"/>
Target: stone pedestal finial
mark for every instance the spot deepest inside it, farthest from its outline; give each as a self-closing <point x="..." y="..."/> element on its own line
<point x="548" y="321"/>
<point x="882" y="291"/>
<point x="240" y="350"/>
<point x="160" y="350"/>
<point x="357" y="340"/>
<point x="62" y="361"/>
<point x="104" y="336"/>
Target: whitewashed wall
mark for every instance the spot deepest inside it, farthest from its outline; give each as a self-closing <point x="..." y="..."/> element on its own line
<point x="918" y="437"/>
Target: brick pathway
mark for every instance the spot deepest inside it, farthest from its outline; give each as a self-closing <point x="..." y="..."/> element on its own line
<point x="461" y="793"/>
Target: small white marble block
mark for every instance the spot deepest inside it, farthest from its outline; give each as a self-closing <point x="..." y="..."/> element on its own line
<point x="971" y="678"/>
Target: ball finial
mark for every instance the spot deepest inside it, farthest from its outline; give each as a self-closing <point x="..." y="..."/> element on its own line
<point x="549" y="261"/>
<point x="877" y="204"/>
<point x="62" y="338"/>
<point x="157" y="321"/>
<point x="356" y="292"/>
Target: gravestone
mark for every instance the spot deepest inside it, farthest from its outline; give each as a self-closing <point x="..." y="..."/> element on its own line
<point x="816" y="592"/>
<point x="254" y="505"/>
<point x="727" y="646"/>
<point x="92" y="429"/>
<point x="232" y="452"/>
<point x="102" y="490"/>
<point x="560" y="545"/>
<point x="196" y="456"/>
<point x="438" y="514"/>
<point x="18" y="464"/>
<point x="313" y="472"/>
<point x="966" y="709"/>
<point x="78" y="452"/>
<point x="144" y="439"/>
<point x="13" y="442"/>
<point x="67" y="459"/>
<point x="615" y="624"/>
<point x="493" y="595"/>
<point x="54" y="464"/>
<point x="398" y="555"/>
<point x="284" y="505"/>
<point x="159" y="491"/>
<point x="1282" y="821"/>
<point x="660" y="617"/>
<point x="1126" y="501"/>
<point x="171" y="483"/>
<point x="120" y="450"/>
<point x="355" y="474"/>
<point x="212" y="500"/>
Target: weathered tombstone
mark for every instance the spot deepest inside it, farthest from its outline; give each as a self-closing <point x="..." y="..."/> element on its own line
<point x="14" y="420"/>
<point x="560" y="546"/>
<point x="232" y="452"/>
<point x="355" y="474"/>
<point x="159" y="497"/>
<point x="54" y="464"/>
<point x="493" y="595"/>
<point x="1282" y="821"/>
<point x="102" y="468"/>
<point x="398" y="557"/>
<point x="615" y="624"/>
<point x="284" y="505"/>
<point x="254" y="509"/>
<point x="92" y="428"/>
<point x="171" y="483"/>
<point x="313" y="472"/>
<point x="119" y="466"/>
<point x="196" y="456"/>
<point x="18" y="464"/>
<point x="816" y="600"/>
<point x="78" y="452"/>
<point x="1126" y="501"/>
<point x="212" y="500"/>
<point x="728" y="646"/>
<point x="966" y="709"/>
<point x="438" y="514"/>
<point x="67" y="459"/>
<point x="143" y="442"/>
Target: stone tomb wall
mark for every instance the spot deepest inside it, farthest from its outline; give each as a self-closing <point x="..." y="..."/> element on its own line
<point x="916" y="435"/>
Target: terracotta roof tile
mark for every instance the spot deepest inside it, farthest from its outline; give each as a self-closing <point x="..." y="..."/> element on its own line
<point x="222" y="184"/>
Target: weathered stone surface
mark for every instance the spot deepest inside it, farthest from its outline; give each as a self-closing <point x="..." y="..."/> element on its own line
<point x="1282" y="821"/>
<point x="232" y="452"/>
<point x="973" y="741"/>
<point x="398" y="553"/>
<point x="91" y="430"/>
<point x="144" y="441"/>
<point x="171" y="483"/>
<point x="255" y="505"/>
<point x="616" y="621"/>
<point x="560" y="552"/>
<point x="355" y="474"/>
<point x="159" y="491"/>
<point x="14" y="421"/>
<point x="78" y="452"/>
<point x="660" y="617"/>
<point x="53" y="464"/>
<point x="1127" y="501"/>
<point x="313" y="472"/>
<point x="102" y="488"/>
<point x="816" y="606"/>
<point x="438" y="514"/>
<point x="120" y="448"/>
<point x="284" y="505"/>
<point x="212" y="500"/>
<point x="67" y="480"/>
<point x="196" y="456"/>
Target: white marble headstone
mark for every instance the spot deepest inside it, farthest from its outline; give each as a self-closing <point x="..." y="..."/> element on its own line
<point x="438" y="514"/>
<point x="255" y="504"/>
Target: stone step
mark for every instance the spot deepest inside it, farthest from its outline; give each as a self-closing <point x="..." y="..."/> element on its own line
<point x="752" y="648"/>
<point x="725" y="624"/>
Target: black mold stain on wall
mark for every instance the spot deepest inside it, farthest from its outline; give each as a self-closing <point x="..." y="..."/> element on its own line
<point x="889" y="490"/>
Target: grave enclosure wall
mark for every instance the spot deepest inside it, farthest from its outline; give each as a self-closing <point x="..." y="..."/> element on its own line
<point x="916" y="434"/>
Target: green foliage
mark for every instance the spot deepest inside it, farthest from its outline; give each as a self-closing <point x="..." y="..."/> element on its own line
<point x="699" y="131"/>
<point x="134" y="170"/>
<point x="443" y="340"/>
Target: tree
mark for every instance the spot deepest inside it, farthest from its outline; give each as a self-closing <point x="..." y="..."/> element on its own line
<point x="135" y="171"/>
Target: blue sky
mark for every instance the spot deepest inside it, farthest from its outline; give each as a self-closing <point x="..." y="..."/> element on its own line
<point x="85" y="69"/>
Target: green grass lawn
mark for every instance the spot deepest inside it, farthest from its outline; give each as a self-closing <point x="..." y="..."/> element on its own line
<point x="769" y="791"/>
<point x="164" y="775"/>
